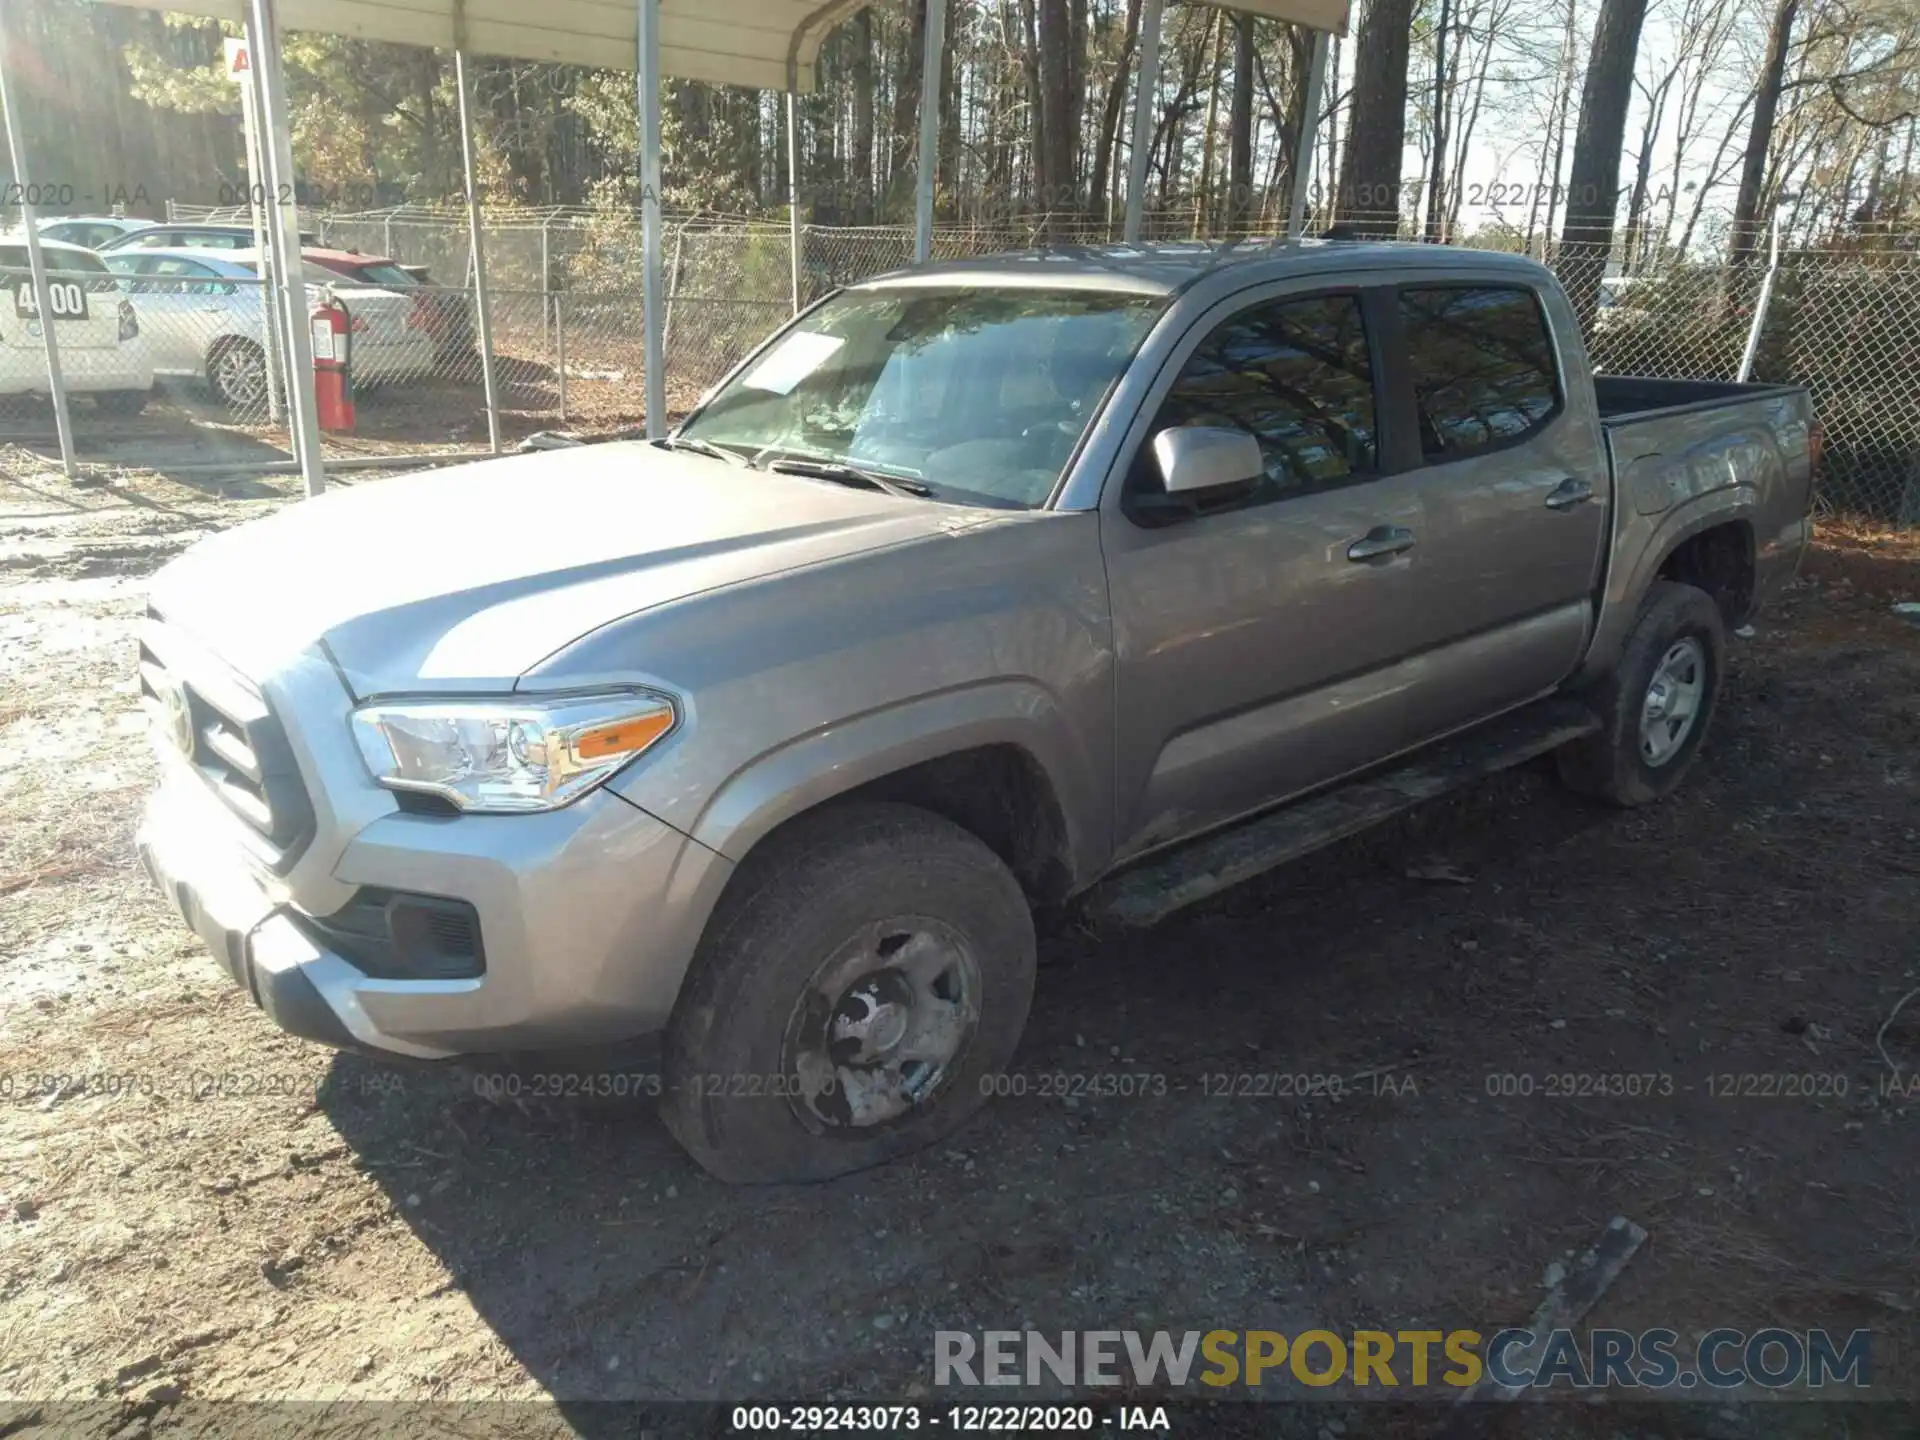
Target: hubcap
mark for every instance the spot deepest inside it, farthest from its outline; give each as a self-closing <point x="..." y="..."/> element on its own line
<point x="1672" y="706"/>
<point x="882" y="1026"/>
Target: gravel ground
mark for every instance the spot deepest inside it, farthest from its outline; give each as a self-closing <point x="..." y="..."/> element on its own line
<point x="319" y="1228"/>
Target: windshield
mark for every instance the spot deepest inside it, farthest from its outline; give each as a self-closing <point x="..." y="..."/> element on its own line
<point x="981" y="393"/>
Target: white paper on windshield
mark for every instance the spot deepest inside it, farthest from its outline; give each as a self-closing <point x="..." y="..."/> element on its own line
<point x="792" y="360"/>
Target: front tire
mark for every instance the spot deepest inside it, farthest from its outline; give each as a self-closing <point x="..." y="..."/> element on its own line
<point x="1656" y="705"/>
<point x="864" y="979"/>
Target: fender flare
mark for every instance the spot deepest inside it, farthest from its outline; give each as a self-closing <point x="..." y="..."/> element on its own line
<point x="1627" y="588"/>
<point x="810" y="769"/>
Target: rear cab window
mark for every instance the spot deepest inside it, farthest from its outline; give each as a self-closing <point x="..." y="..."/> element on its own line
<point x="1481" y="360"/>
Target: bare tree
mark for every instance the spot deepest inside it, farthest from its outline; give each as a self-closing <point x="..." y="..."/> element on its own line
<point x="1745" y="231"/>
<point x="1369" y="194"/>
<point x="1593" y="186"/>
<point x="1240" y="127"/>
<point x="1058" y="124"/>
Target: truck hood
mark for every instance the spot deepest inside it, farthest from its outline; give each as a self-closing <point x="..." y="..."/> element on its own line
<point x="465" y="578"/>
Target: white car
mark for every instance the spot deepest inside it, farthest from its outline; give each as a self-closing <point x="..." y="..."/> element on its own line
<point x="203" y="317"/>
<point x="95" y="232"/>
<point x="95" y="329"/>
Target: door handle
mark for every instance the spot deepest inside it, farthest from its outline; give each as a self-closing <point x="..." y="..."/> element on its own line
<point x="1379" y="541"/>
<point x="1569" y="493"/>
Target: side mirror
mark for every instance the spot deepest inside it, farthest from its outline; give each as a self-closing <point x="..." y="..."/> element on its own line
<point x="1198" y="458"/>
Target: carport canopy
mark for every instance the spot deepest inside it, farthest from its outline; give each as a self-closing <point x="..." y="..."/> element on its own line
<point x="761" y="44"/>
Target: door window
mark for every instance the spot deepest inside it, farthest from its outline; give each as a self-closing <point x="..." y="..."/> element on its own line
<point x="1297" y="375"/>
<point x="175" y="276"/>
<point x="1483" y="367"/>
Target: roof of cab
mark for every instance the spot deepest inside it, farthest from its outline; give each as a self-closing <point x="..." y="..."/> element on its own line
<point x="1164" y="269"/>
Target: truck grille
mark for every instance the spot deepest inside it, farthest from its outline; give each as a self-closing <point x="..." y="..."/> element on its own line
<point x="223" y="727"/>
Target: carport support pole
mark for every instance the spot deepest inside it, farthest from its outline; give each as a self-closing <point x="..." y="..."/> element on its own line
<point x="654" y="316"/>
<point x="929" y="130"/>
<point x="283" y="238"/>
<point x="1146" y="93"/>
<point x="1309" y="132"/>
<point x="37" y="265"/>
<point x="482" y="306"/>
<point x="793" y="188"/>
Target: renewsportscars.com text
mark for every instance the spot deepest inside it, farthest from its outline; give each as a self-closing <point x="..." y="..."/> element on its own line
<point x="1520" y="1359"/>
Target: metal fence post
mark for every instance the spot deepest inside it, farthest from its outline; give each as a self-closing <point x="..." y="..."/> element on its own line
<point x="1761" y="304"/>
<point x="1309" y="130"/>
<point x="1146" y="100"/>
<point x="560" y="348"/>
<point x="37" y="265"/>
<point x="647" y="87"/>
<point x="930" y="98"/>
<point x="793" y="189"/>
<point x="546" y="273"/>
<point x="288" y="292"/>
<point x="483" y="310"/>
<point x="673" y="286"/>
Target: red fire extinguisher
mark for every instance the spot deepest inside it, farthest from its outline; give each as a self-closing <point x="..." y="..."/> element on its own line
<point x="333" y="363"/>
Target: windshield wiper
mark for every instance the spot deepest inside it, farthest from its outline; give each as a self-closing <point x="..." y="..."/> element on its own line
<point x="841" y="472"/>
<point x="695" y="446"/>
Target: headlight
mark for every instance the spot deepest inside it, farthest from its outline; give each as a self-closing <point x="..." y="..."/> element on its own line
<point x="509" y="754"/>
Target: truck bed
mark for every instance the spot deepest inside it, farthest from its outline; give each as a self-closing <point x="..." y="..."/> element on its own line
<point x="1636" y="397"/>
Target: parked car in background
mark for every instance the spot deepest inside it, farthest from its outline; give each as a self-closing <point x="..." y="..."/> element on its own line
<point x="1111" y="575"/>
<point x="198" y="236"/>
<point x="204" y="317"/>
<point x="92" y="231"/>
<point x="96" y="329"/>
<point x="448" y="313"/>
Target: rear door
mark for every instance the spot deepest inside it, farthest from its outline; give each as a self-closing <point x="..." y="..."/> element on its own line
<point x="1255" y="645"/>
<point x="83" y="294"/>
<point x="1514" y="484"/>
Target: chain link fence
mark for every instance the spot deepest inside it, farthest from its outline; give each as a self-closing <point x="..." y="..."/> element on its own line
<point x="566" y="317"/>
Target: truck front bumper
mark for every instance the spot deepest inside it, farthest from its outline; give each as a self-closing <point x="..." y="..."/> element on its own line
<point x="588" y="917"/>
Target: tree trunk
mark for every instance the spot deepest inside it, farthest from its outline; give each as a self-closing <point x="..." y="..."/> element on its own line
<point x="1437" y="166"/>
<point x="1369" y="198"/>
<point x="948" y="143"/>
<point x="906" y="105"/>
<point x="1744" y="235"/>
<point x="860" y="170"/>
<point x="1554" y="143"/>
<point x="1106" y="153"/>
<point x="1240" y="129"/>
<point x="1058" y="197"/>
<point x="1201" y="193"/>
<point x="1593" y="184"/>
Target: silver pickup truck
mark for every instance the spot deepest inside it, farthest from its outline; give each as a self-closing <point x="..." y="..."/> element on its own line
<point x="1106" y="577"/>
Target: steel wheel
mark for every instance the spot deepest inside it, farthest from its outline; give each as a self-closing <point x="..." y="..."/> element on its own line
<point x="1672" y="702"/>
<point x="882" y="1026"/>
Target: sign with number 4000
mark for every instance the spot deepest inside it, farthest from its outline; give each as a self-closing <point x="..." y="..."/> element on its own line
<point x="66" y="298"/>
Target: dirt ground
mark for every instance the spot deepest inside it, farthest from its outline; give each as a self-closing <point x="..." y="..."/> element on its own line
<point x="323" y="1229"/>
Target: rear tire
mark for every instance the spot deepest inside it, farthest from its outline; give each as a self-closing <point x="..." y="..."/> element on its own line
<point x="1656" y="705"/>
<point x="862" y="983"/>
<point x="121" y="402"/>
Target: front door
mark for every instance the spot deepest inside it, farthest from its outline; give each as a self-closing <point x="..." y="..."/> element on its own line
<point x="1255" y="634"/>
